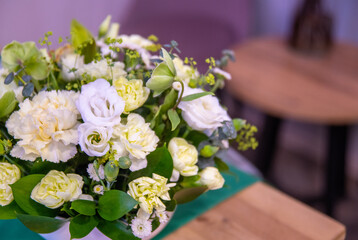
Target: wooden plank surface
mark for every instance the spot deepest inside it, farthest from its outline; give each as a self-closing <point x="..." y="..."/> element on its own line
<point x="261" y="212"/>
<point x="284" y="83"/>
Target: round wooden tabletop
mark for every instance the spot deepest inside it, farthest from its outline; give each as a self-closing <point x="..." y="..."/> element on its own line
<point x="284" y="83"/>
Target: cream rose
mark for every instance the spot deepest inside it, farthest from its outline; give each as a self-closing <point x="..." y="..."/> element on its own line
<point x="136" y="136"/>
<point x="132" y="92"/>
<point x="203" y="114"/>
<point x="100" y="104"/>
<point x="56" y="188"/>
<point x="46" y="127"/>
<point x="184" y="72"/>
<point x="185" y="156"/>
<point x="68" y="62"/>
<point x="9" y="174"/>
<point x="101" y="69"/>
<point x="211" y="178"/>
<point x="94" y="140"/>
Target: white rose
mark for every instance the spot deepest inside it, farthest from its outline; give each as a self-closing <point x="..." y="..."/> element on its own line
<point x="211" y="178"/>
<point x="185" y="156"/>
<point x="203" y="114"/>
<point x="94" y="140"/>
<point x="136" y="136"/>
<point x="100" y="104"/>
<point x="46" y="127"/>
<point x="9" y="174"/>
<point x="70" y="61"/>
<point x="184" y="72"/>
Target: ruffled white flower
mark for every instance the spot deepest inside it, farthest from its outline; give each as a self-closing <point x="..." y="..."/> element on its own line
<point x="98" y="189"/>
<point x="137" y="137"/>
<point x="203" y="114"/>
<point x="9" y="87"/>
<point x="93" y="174"/>
<point x="9" y="174"/>
<point x="71" y="61"/>
<point x="56" y="188"/>
<point x="163" y="216"/>
<point x="100" y="104"/>
<point x="141" y="228"/>
<point x="185" y="157"/>
<point x="46" y="127"/>
<point x="223" y="73"/>
<point x="101" y="69"/>
<point x="132" y="92"/>
<point x="184" y="72"/>
<point x="94" y="140"/>
<point x="148" y="192"/>
<point x="211" y="178"/>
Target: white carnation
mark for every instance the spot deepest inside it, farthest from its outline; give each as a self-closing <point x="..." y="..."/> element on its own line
<point x="46" y="127"/>
<point x="93" y="174"/>
<point x="100" y="104"/>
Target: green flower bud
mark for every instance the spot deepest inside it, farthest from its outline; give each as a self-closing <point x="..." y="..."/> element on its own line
<point x="113" y="30"/>
<point x="124" y="162"/>
<point x="103" y="28"/>
<point x="208" y="151"/>
<point x="111" y="170"/>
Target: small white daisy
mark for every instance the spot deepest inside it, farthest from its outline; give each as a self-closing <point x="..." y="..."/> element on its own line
<point x="98" y="189"/>
<point x="141" y="228"/>
<point x="163" y="216"/>
<point x="92" y="172"/>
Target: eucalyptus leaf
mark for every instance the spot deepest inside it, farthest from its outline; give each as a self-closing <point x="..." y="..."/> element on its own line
<point x="116" y="230"/>
<point x="196" y="96"/>
<point x="189" y="194"/>
<point x="22" y="194"/>
<point x="84" y="207"/>
<point x="8" y="103"/>
<point x="81" y="226"/>
<point x="114" y="204"/>
<point x="28" y="90"/>
<point x="174" y="118"/>
<point x="41" y="224"/>
<point x="9" y="78"/>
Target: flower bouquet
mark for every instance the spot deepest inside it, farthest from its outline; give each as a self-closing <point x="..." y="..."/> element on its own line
<point x="109" y="133"/>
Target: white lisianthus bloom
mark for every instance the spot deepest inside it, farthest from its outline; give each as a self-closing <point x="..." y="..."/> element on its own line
<point x="9" y="174"/>
<point x="132" y="92"/>
<point x="184" y="72"/>
<point x="9" y="87"/>
<point x="137" y="137"/>
<point x="148" y="192"/>
<point x="185" y="156"/>
<point x="93" y="174"/>
<point x="141" y="228"/>
<point x="211" y="178"/>
<point x="46" y="127"/>
<point x="94" y="140"/>
<point x="100" y="104"/>
<point x="101" y="69"/>
<point x="71" y="61"/>
<point x="56" y="188"/>
<point x="98" y="189"/>
<point x="203" y="114"/>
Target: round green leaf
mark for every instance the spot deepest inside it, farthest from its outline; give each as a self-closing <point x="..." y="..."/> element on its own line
<point x="116" y="230"/>
<point x="84" y="207"/>
<point x="8" y="103"/>
<point x="10" y="211"/>
<point x="161" y="79"/>
<point x="81" y="226"/>
<point x="41" y="224"/>
<point x="189" y="194"/>
<point x="114" y="204"/>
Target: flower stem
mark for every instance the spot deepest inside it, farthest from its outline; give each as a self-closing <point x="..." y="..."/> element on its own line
<point x="181" y="94"/>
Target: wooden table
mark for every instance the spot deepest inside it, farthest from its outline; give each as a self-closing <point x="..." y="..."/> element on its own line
<point x="285" y="84"/>
<point x="261" y="212"/>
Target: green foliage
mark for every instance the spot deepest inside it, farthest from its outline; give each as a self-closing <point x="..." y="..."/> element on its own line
<point x="81" y="225"/>
<point x="84" y="207"/>
<point x="189" y="182"/>
<point x="41" y="224"/>
<point x="245" y="137"/>
<point x="10" y="211"/>
<point x="196" y="137"/>
<point x="114" y="204"/>
<point x="44" y="167"/>
<point x="196" y="96"/>
<point x="103" y="28"/>
<point x="116" y="230"/>
<point x="8" y="103"/>
<point x="22" y="191"/>
<point x="189" y="194"/>
<point x="83" y="41"/>
<point x="159" y="162"/>
<point x="174" y="118"/>
<point x="221" y="165"/>
<point x="208" y="151"/>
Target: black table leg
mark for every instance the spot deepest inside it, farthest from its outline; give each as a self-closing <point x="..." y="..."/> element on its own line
<point x="335" y="168"/>
<point x="267" y="148"/>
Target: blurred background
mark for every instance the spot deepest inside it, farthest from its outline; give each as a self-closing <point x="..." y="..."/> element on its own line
<point x="203" y="28"/>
